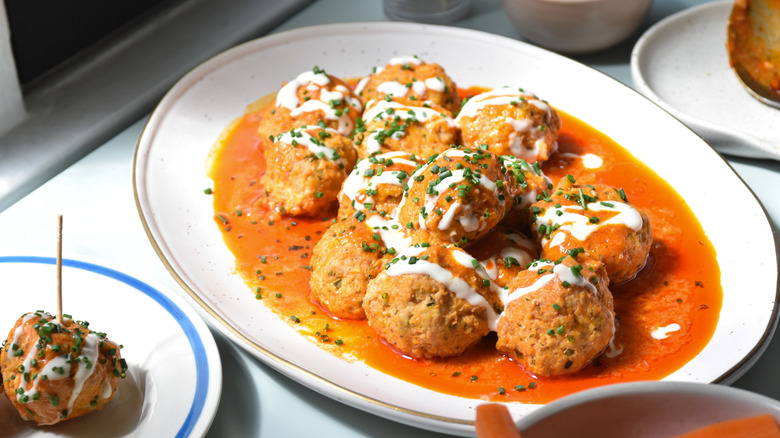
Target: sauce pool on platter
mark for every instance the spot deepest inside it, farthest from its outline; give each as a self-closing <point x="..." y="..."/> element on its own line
<point x="476" y="242"/>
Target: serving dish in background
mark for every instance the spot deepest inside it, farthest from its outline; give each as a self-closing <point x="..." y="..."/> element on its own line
<point x="681" y="63"/>
<point x="169" y="179"/>
<point x="576" y="26"/>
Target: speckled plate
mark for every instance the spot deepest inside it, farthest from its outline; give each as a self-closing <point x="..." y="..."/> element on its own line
<point x="169" y="179"/>
<point x="174" y="378"/>
<point x="681" y="63"/>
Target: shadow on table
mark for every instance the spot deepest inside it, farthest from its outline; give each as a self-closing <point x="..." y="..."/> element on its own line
<point x="247" y="401"/>
<point x="362" y="423"/>
<point x="238" y="400"/>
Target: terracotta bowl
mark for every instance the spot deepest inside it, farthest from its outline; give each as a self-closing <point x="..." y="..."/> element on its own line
<point x="644" y="410"/>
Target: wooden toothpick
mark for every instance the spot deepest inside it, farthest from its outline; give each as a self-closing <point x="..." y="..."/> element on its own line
<point x="59" y="270"/>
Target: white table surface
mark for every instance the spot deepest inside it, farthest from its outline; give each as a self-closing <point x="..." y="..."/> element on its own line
<point x="95" y="195"/>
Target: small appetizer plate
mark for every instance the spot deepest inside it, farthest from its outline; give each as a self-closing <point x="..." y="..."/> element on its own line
<point x="169" y="179"/>
<point x="174" y="378"/>
<point x="645" y="410"/>
<point x="681" y="63"/>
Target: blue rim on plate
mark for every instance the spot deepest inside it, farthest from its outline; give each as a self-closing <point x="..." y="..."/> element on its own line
<point x="196" y="343"/>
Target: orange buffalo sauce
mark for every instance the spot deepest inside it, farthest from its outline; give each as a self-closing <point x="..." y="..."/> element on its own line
<point x="679" y="285"/>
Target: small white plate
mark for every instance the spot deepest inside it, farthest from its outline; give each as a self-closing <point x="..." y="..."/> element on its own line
<point x="681" y="63"/>
<point x="169" y="178"/>
<point x="174" y="379"/>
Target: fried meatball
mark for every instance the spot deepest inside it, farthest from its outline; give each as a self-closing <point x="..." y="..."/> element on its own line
<point x="313" y="97"/>
<point x="343" y="262"/>
<point x="529" y="183"/>
<point x="54" y="372"/>
<point x="558" y="317"/>
<point x="455" y="198"/>
<point x="504" y="253"/>
<point x="413" y="78"/>
<point x="432" y="302"/>
<point x="398" y="124"/>
<point x="376" y="184"/>
<point x="305" y="168"/>
<point x="598" y="218"/>
<point x="510" y="121"/>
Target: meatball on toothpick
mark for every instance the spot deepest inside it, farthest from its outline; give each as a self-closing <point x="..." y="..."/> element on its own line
<point x="56" y="371"/>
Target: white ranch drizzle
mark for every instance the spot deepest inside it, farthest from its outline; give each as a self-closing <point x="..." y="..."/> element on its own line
<point x="357" y="182"/>
<point x="527" y="197"/>
<point x="388" y="110"/>
<point x="435" y="84"/>
<point x="612" y="349"/>
<point x="49" y="372"/>
<point x="287" y="97"/>
<point x="409" y="59"/>
<point x="509" y="96"/>
<point x="107" y="390"/>
<point x="456" y="285"/>
<point x="490" y="267"/>
<point x="19" y="330"/>
<point x="563" y="272"/>
<point x="59" y="367"/>
<point x="421" y="87"/>
<point x="574" y="219"/>
<point x="522" y="241"/>
<point x="523" y="255"/>
<point x="446" y="219"/>
<point x="499" y="96"/>
<point x="393" y="88"/>
<point x="515" y="139"/>
<point x="390" y="232"/>
<point x="299" y="136"/>
<point x="589" y="161"/>
<point x="467" y="260"/>
<point x="470" y="222"/>
<point x="361" y="85"/>
<point x="89" y="355"/>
